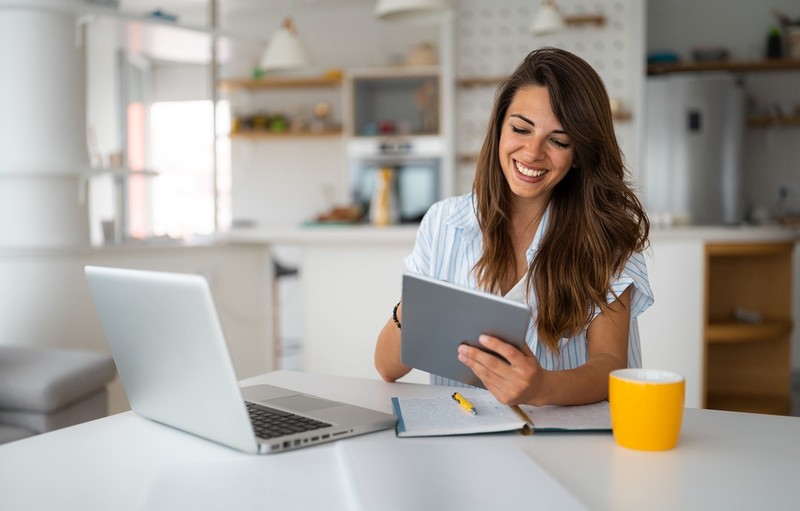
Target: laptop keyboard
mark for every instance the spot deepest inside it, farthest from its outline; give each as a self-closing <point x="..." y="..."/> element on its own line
<point x="271" y="423"/>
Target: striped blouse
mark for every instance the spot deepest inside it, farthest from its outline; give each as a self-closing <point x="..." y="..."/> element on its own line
<point x="448" y="245"/>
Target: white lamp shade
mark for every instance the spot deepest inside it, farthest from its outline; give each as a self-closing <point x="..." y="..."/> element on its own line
<point x="285" y="50"/>
<point x="391" y="10"/>
<point x="547" y="20"/>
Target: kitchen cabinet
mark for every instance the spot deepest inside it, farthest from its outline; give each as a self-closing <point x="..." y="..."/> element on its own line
<point x="394" y="101"/>
<point x="748" y="324"/>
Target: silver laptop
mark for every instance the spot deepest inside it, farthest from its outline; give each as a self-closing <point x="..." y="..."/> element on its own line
<point x="439" y="316"/>
<point x="173" y="361"/>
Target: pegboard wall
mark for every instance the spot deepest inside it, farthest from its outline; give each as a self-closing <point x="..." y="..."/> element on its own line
<point x="492" y="37"/>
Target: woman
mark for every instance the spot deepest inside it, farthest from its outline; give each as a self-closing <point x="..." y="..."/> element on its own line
<point x="552" y="222"/>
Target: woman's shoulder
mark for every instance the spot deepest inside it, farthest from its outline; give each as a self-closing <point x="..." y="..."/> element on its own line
<point x="453" y="207"/>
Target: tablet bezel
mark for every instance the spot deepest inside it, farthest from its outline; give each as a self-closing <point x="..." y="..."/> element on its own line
<point x="439" y="316"/>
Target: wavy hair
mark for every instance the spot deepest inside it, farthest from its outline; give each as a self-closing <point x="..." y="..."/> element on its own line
<point x="596" y="221"/>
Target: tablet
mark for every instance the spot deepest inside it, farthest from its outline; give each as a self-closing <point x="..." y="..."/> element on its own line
<point x="439" y="316"/>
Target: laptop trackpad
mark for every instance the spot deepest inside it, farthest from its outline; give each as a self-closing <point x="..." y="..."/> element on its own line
<point x="301" y="403"/>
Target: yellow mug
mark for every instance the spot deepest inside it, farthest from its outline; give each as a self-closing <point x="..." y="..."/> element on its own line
<point x="646" y="408"/>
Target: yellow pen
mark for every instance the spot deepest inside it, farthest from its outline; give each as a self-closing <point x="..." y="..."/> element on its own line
<point x="466" y="405"/>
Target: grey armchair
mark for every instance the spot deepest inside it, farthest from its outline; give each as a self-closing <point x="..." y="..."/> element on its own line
<point x="46" y="388"/>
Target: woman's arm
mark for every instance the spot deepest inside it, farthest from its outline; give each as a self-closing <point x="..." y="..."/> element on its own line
<point x="523" y="381"/>
<point x="387" y="351"/>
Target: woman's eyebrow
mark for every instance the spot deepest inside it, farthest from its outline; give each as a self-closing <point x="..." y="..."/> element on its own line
<point x="525" y="119"/>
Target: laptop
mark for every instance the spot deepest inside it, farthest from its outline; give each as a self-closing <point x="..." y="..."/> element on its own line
<point x="173" y="360"/>
<point x="439" y="316"/>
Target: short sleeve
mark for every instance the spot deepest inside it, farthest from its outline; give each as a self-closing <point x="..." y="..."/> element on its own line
<point x="635" y="274"/>
<point x="419" y="260"/>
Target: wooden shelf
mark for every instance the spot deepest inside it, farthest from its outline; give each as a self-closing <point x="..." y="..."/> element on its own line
<point x="287" y="82"/>
<point x="261" y="135"/>
<point x="771" y="120"/>
<point x="747" y="364"/>
<point x="740" y="66"/>
<point x="480" y="81"/>
<point x="733" y="332"/>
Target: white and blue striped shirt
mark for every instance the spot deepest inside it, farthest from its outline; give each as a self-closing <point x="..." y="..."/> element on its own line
<point x="448" y="245"/>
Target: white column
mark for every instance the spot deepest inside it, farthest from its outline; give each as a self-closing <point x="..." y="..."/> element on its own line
<point x="42" y="129"/>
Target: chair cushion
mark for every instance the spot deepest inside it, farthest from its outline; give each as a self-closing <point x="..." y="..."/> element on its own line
<point x="43" y="379"/>
<point x="85" y="409"/>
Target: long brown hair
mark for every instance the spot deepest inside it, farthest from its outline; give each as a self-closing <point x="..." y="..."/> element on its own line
<point x="596" y="221"/>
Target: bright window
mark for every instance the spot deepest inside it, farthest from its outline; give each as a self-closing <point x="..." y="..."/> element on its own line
<point x="179" y="202"/>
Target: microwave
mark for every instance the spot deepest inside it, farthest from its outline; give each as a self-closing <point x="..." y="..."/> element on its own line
<point x="415" y="167"/>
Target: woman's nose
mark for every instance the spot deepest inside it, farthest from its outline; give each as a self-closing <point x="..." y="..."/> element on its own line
<point x="535" y="147"/>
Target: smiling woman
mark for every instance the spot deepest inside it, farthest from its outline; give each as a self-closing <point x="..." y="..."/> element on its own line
<point x="551" y="222"/>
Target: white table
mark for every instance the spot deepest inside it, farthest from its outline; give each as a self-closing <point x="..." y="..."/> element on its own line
<point x="724" y="460"/>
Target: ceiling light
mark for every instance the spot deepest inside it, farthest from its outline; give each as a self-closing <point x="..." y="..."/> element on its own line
<point x="548" y="19"/>
<point x="285" y="50"/>
<point x="408" y="9"/>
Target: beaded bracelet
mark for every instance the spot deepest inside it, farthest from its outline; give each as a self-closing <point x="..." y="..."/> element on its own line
<point x="394" y="316"/>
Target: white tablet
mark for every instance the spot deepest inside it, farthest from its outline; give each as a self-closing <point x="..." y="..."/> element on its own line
<point x="439" y="316"/>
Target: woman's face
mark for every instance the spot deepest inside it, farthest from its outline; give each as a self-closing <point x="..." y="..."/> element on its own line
<point x="535" y="153"/>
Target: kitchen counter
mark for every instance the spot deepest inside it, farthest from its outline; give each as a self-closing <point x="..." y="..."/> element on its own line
<point x="406" y="234"/>
<point x="334" y="234"/>
<point x="727" y="234"/>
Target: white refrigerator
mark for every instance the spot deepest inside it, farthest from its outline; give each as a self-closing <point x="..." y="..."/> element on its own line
<point x="693" y="149"/>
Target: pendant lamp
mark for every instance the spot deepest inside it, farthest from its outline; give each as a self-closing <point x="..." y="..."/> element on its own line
<point x="285" y="50"/>
<point x="548" y="19"/>
<point x="392" y="10"/>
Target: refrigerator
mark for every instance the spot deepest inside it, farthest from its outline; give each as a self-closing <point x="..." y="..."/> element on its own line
<point x="692" y="171"/>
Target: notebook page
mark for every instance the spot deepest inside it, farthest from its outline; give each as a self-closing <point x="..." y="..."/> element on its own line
<point x="593" y="417"/>
<point x="444" y="416"/>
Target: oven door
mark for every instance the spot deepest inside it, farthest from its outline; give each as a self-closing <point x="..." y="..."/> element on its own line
<point x="415" y="184"/>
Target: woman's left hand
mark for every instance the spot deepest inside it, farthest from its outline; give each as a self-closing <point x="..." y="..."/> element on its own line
<point x="514" y="382"/>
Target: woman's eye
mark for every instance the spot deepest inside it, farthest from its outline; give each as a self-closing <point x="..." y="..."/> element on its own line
<point x="560" y="144"/>
<point x="522" y="131"/>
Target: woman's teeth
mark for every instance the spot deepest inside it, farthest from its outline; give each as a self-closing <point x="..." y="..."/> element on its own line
<point x="528" y="171"/>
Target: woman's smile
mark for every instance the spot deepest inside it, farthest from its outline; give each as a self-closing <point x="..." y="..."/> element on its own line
<point x="528" y="171"/>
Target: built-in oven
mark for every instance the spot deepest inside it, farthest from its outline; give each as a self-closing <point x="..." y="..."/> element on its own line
<point x="412" y="166"/>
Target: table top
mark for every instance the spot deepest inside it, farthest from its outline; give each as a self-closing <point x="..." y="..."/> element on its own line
<point x="725" y="460"/>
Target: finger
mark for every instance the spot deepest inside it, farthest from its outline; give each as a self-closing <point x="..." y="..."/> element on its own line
<point x="508" y="351"/>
